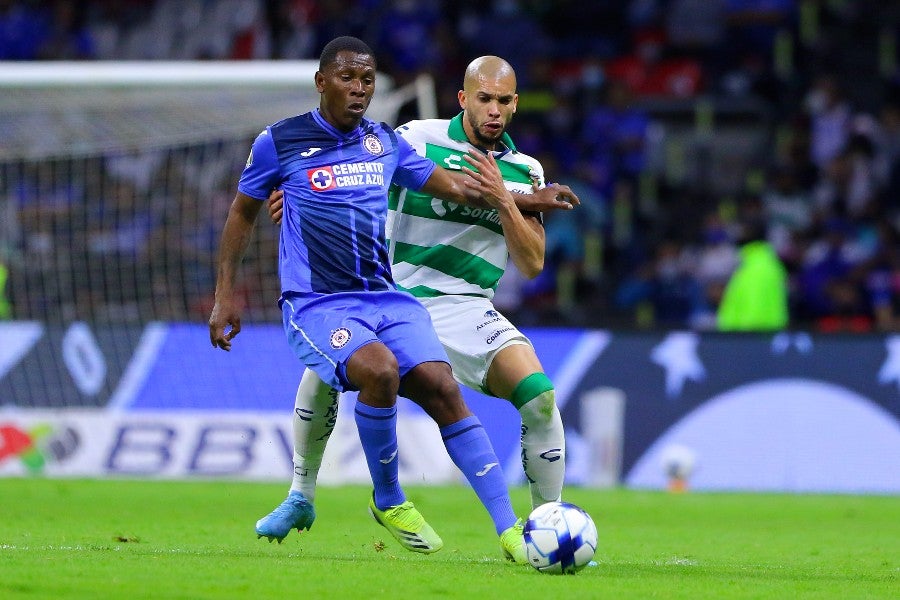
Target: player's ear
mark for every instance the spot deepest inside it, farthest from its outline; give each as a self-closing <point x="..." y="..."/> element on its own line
<point x="461" y="96"/>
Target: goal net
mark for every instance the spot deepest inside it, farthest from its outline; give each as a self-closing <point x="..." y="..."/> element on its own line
<point x="115" y="180"/>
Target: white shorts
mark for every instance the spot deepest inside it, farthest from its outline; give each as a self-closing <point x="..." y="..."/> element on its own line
<point x="472" y="332"/>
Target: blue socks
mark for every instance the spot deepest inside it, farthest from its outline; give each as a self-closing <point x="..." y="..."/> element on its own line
<point x="378" y="435"/>
<point x="468" y="445"/>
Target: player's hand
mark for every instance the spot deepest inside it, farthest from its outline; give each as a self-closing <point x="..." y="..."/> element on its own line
<point x="553" y="196"/>
<point x="223" y="315"/>
<point x="487" y="180"/>
<point x="276" y="206"/>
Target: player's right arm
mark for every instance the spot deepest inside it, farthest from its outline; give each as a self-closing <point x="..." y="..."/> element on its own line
<point x="456" y="187"/>
<point x="261" y="174"/>
<point x="235" y="239"/>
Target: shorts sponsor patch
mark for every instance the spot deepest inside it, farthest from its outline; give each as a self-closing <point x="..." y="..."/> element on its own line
<point x="490" y="317"/>
<point x="497" y="333"/>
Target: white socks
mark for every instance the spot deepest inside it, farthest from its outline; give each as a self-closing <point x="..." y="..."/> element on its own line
<point x="315" y="415"/>
<point x="543" y="448"/>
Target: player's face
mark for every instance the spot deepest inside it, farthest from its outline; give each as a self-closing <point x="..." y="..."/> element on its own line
<point x="489" y="106"/>
<point x="347" y="86"/>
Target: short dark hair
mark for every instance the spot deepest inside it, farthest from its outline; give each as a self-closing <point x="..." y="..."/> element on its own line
<point x="339" y="44"/>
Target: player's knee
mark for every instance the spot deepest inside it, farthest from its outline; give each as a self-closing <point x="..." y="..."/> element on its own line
<point x="445" y="403"/>
<point x="540" y="413"/>
<point x="535" y="398"/>
<point x="381" y="378"/>
<point x="447" y="395"/>
<point x="385" y="379"/>
<point x="540" y="410"/>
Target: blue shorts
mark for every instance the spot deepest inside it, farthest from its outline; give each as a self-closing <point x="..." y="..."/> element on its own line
<point x="325" y="331"/>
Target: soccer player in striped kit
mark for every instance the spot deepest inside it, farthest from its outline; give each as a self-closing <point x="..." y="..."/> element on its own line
<point x="451" y="257"/>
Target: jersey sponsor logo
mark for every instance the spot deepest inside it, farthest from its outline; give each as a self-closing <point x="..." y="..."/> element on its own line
<point x="309" y="152"/>
<point x="484" y="214"/>
<point x="321" y="179"/>
<point x="442" y="208"/>
<point x="372" y="144"/>
<point x="346" y="175"/>
<point x="340" y="337"/>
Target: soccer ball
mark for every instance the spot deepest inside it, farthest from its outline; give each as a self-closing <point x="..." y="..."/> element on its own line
<point x="559" y="538"/>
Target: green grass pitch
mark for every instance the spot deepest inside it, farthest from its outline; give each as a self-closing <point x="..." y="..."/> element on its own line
<point x="192" y="540"/>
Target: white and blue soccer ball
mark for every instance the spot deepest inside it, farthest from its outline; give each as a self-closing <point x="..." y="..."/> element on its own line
<point x="560" y="538"/>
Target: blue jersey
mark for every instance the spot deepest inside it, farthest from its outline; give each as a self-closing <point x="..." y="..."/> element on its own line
<point x="335" y="200"/>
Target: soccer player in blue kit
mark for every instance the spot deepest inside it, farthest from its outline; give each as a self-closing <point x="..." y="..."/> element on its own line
<point x="342" y="313"/>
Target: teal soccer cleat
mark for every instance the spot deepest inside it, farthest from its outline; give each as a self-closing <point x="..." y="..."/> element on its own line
<point x="295" y="512"/>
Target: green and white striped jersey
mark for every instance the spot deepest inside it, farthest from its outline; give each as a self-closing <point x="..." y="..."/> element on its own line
<point x="437" y="247"/>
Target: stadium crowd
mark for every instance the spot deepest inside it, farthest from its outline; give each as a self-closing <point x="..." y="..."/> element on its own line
<point x="644" y="107"/>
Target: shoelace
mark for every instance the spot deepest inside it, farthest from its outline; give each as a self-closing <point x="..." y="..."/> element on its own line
<point x="286" y="507"/>
<point x="406" y="515"/>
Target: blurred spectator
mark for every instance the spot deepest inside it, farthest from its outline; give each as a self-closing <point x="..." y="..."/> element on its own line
<point x="613" y="139"/>
<point x="23" y="28"/>
<point x="67" y="37"/>
<point x="119" y="234"/>
<point x="339" y="17"/>
<point x="848" y="187"/>
<point x="715" y="261"/>
<point x="574" y="237"/>
<point x="45" y="204"/>
<point x="506" y="29"/>
<point x="5" y="306"/>
<point x="754" y="24"/>
<point x="830" y="280"/>
<point x="883" y="280"/>
<point x="830" y="120"/>
<point x="404" y="38"/>
<point x="290" y="27"/>
<point x="756" y="296"/>
<point x="696" y="29"/>
<point x="887" y="148"/>
<point x="788" y="208"/>
<point x="648" y="72"/>
<point x="580" y="28"/>
<point x="663" y="292"/>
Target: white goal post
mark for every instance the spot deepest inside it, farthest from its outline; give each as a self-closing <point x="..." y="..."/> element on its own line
<point x="220" y="96"/>
<point x="116" y="176"/>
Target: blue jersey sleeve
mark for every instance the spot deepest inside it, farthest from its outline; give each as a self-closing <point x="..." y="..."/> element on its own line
<point x="412" y="170"/>
<point x="263" y="172"/>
